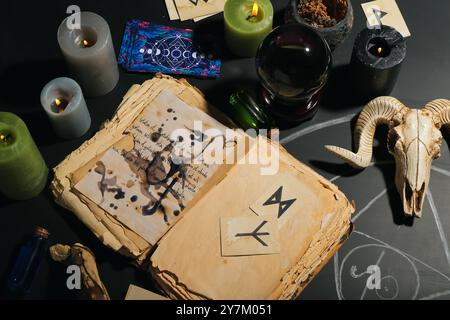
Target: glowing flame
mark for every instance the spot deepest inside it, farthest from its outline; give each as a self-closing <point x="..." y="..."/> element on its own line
<point x="60" y="105"/>
<point x="379" y="50"/>
<point x="255" y="9"/>
<point x="85" y="43"/>
<point x="5" y="137"/>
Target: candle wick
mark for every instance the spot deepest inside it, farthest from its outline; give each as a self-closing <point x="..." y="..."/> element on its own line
<point x="253" y="16"/>
<point x="59" y="105"/>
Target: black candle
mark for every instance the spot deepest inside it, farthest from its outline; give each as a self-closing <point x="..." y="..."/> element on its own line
<point x="376" y="62"/>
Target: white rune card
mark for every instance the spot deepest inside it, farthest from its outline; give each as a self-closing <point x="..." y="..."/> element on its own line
<point x="147" y="187"/>
<point x="189" y="9"/>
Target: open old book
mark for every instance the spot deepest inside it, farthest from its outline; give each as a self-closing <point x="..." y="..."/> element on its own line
<point x="203" y="229"/>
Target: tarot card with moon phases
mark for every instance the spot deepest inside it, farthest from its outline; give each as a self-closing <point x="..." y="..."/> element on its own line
<point x="148" y="47"/>
<point x="148" y="187"/>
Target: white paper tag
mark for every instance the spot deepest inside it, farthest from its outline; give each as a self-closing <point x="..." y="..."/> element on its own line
<point x="189" y="9"/>
<point x="387" y="13"/>
<point x="249" y="235"/>
<point x="172" y="10"/>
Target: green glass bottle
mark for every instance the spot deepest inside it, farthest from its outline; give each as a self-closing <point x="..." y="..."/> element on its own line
<point x="246" y="113"/>
<point x="23" y="172"/>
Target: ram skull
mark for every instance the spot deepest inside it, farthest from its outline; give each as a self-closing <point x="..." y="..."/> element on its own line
<point x="414" y="139"/>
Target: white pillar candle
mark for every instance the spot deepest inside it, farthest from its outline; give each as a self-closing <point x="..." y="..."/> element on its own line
<point x="64" y="103"/>
<point x="89" y="53"/>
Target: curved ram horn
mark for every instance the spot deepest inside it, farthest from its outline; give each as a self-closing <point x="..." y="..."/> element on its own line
<point x="378" y="111"/>
<point x="441" y="111"/>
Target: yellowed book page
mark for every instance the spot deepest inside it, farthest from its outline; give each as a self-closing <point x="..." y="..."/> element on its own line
<point x="75" y="166"/>
<point x="189" y="263"/>
<point x="148" y="187"/>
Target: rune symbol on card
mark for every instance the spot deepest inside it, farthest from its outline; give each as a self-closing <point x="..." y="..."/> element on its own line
<point x="379" y="14"/>
<point x="283" y="205"/>
<point x="194" y="2"/>
<point x="255" y="234"/>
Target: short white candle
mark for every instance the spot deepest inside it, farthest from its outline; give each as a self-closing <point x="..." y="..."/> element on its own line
<point x="89" y="53"/>
<point x="66" y="108"/>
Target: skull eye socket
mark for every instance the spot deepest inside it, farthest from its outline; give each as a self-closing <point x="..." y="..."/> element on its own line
<point x="392" y="139"/>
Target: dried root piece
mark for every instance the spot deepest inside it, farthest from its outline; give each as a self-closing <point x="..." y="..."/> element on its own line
<point x="92" y="286"/>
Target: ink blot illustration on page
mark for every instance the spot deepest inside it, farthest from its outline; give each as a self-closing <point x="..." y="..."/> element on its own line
<point x="144" y="187"/>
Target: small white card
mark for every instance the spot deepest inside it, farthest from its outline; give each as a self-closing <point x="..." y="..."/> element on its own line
<point x="249" y="235"/>
<point x="189" y="9"/>
<point x="387" y="13"/>
<point x="172" y="10"/>
<point x="137" y="293"/>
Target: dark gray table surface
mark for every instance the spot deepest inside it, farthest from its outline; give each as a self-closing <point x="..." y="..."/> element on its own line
<point x="414" y="260"/>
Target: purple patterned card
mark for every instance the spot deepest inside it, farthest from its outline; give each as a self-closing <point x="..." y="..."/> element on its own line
<point x="155" y="48"/>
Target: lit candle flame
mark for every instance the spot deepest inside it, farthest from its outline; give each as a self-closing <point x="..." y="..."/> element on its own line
<point x="85" y="43"/>
<point x="379" y="50"/>
<point x="58" y="103"/>
<point x="255" y="9"/>
<point x="5" y="137"/>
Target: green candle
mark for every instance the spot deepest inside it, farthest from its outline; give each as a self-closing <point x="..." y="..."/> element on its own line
<point x="247" y="23"/>
<point x="23" y="173"/>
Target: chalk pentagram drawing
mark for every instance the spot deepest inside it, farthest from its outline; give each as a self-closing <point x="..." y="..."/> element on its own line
<point x="175" y="53"/>
<point x="405" y="278"/>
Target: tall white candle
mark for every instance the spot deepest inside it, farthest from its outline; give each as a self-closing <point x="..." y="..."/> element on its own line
<point x="66" y="108"/>
<point x="89" y="53"/>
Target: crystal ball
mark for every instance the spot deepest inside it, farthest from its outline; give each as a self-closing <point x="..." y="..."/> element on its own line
<point x="293" y="64"/>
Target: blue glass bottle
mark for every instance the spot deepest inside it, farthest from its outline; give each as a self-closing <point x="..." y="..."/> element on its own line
<point x="27" y="262"/>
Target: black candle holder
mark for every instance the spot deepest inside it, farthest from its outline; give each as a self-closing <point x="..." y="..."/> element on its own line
<point x="376" y="61"/>
<point x="293" y="65"/>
